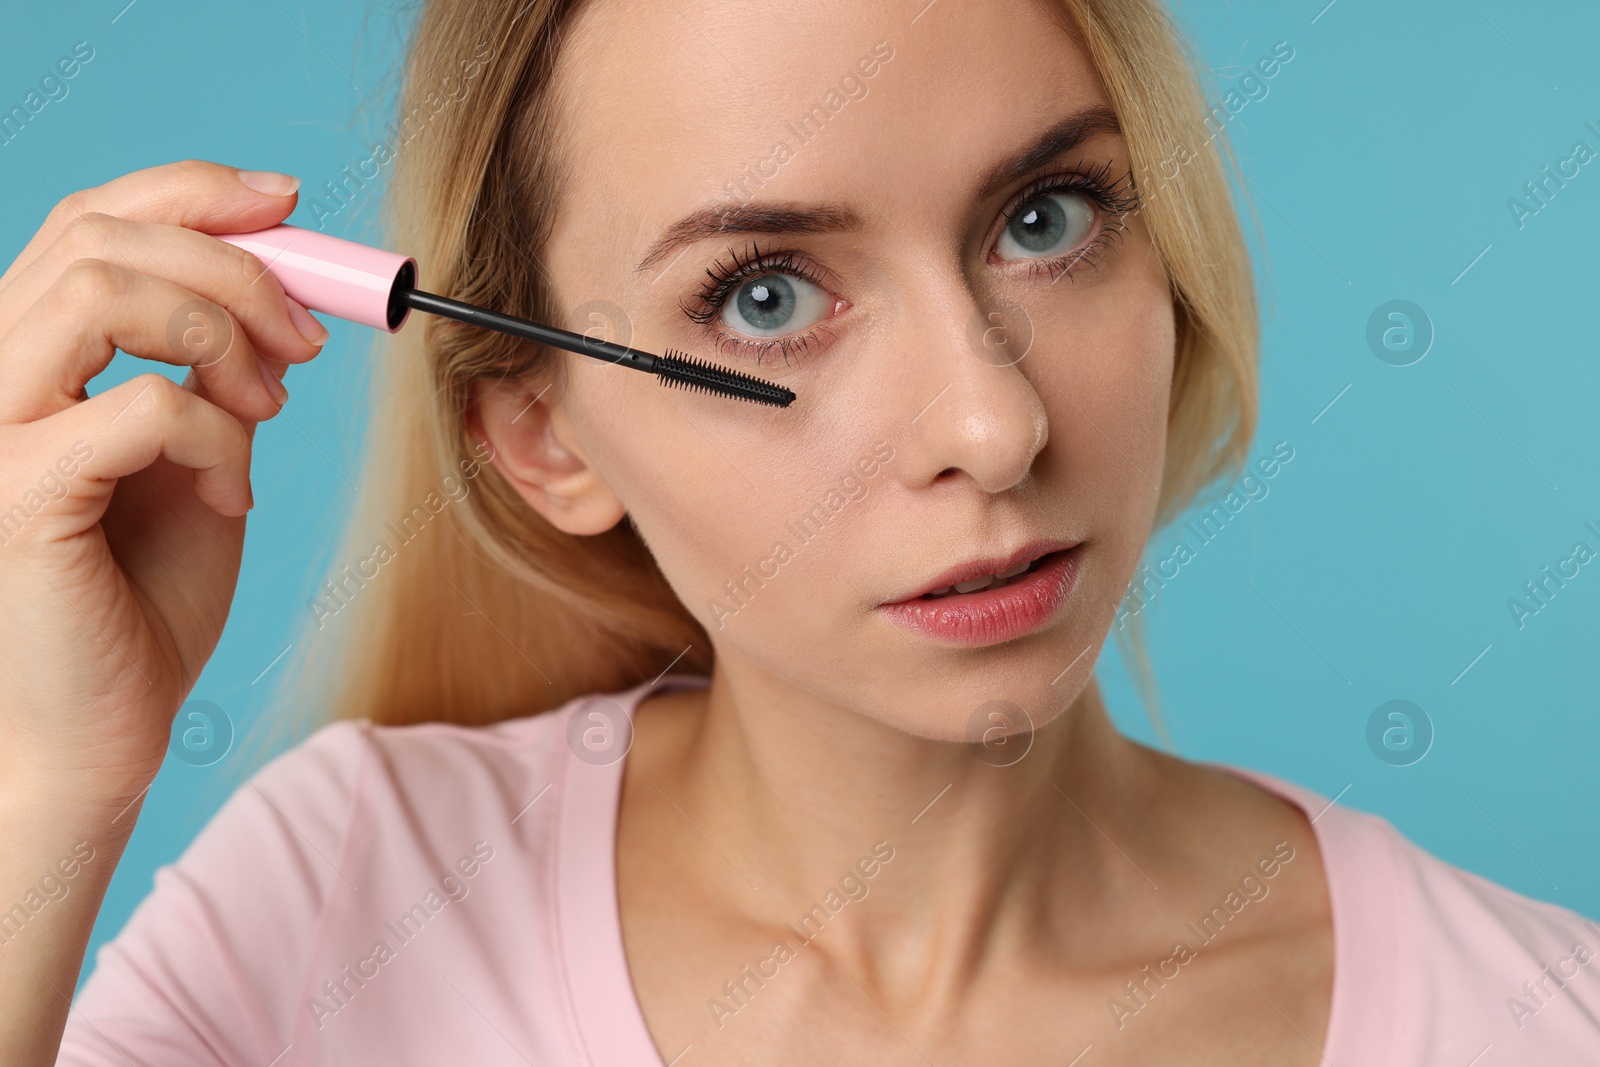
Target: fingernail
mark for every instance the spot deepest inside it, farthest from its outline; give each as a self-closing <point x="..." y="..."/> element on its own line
<point x="270" y="182"/>
<point x="312" y="330"/>
<point x="251" y="491"/>
<point x="275" y="388"/>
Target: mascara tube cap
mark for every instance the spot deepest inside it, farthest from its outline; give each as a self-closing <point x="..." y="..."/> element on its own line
<point x="330" y="274"/>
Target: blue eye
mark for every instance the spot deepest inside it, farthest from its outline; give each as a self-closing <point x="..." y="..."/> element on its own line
<point x="1049" y="225"/>
<point x="774" y="304"/>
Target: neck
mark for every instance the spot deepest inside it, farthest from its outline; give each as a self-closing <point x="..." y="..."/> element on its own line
<point x="990" y="852"/>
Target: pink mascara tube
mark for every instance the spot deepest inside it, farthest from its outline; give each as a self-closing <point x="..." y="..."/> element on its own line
<point x="368" y="285"/>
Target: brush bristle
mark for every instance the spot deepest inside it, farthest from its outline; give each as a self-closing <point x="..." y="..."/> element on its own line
<point x="676" y="369"/>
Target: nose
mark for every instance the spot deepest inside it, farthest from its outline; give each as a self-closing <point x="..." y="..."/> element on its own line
<point x="980" y="416"/>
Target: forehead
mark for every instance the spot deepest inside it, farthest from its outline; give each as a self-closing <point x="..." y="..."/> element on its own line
<point x="671" y="105"/>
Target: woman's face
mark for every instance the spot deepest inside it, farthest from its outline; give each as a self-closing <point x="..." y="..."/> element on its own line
<point x="918" y="217"/>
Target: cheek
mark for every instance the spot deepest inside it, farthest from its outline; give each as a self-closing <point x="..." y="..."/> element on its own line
<point x="1139" y="385"/>
<point x="742" y="513"/>
<point x="1110" y="384"/>
<point x="1107" y="395"/>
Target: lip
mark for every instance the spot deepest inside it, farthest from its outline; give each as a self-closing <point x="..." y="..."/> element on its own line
<point x="988" y="565"/>
<point x="992" y="615"/>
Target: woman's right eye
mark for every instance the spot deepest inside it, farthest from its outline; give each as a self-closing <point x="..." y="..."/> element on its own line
<point x="774" y="304"/>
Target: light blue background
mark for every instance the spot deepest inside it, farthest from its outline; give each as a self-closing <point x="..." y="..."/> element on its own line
<point x="1378" y="567"/>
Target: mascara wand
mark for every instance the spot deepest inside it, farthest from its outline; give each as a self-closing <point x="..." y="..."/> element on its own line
<point x="377" y="288"/>
<point x="674" y="368"/>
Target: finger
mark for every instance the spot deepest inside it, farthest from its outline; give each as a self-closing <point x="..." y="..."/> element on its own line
<point x="193" y="383"/>
<point x="193" y="193"/>
<point x="221" y="272"/>
<point x="95" y="308"/>
<point x="116" y="434"/>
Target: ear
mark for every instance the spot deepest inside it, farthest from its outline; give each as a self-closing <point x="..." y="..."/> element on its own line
<point x="534" y="452"/>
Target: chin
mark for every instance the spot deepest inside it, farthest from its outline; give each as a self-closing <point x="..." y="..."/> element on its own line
<point x="1018" y="688"/>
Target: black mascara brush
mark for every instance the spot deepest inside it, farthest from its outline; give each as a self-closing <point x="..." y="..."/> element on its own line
<point x="369" y="285"/>
<point x="674" y="368"/>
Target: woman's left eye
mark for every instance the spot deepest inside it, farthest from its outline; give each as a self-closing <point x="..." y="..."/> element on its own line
<point x="774" y="304"/>
<point x="1049" y="225"/>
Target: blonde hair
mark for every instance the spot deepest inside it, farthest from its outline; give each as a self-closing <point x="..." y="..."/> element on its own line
<point x="489" y="612"/>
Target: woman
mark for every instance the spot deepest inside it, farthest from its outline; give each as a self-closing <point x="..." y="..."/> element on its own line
<point x="692" y="731"/>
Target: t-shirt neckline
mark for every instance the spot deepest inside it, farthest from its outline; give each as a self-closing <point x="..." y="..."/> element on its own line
<point x="607" y="1018"/>
<point x="1371" y="973"/>
<point x="609" y="1024"/>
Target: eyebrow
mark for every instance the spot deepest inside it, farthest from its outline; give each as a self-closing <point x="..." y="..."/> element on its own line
<point x="794" y="218"/>
<point x="778" y="218"/>
<point x="1058" y="140"/>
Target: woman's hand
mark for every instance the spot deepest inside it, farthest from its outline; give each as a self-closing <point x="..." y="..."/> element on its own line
<point x="122" y="514"/>
<point x="121" y="527"/>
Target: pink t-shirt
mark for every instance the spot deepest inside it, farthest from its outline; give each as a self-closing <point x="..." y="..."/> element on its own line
<point x="439" y="894"/>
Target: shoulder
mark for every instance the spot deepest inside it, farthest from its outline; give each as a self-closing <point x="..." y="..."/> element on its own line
<point x="356" y="794"/>
<point x="1437" y="965"/>
<point x="359" y="836"/>
<point x="1525" y="971"/>
<point x="353" y="776"/>
<point x="424" y="781"/>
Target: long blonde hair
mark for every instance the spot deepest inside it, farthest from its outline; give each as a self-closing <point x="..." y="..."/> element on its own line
<point x="485" y="611"/>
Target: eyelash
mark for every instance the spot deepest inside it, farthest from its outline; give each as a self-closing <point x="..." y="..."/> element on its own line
<point x="1115" y="199"/>
<point x="723" y="280"/>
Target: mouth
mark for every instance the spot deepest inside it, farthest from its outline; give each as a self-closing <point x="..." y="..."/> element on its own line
<point x="987" y="601"/>
<point x="993" y="572"/>
<point x="987" y="581"/>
